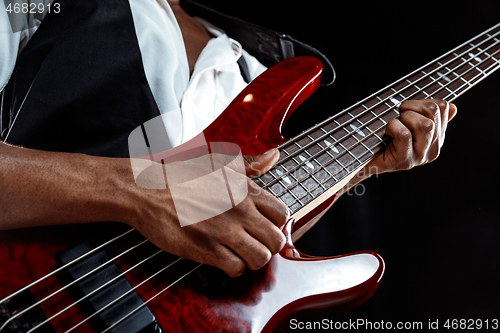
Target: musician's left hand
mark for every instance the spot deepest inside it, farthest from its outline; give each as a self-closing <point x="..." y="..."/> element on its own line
<point x="418" y="135"/>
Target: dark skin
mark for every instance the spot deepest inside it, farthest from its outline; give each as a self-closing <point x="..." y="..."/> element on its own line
<point x="46" y="188"/>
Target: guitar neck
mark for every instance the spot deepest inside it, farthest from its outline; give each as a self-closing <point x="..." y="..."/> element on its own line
<point x="321" y="157"/>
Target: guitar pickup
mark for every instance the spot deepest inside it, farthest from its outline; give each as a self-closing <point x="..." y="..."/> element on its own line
<point x="114" y="303"/>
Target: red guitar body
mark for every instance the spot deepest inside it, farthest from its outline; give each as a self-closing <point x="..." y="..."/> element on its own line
<point x="292" y="284"/>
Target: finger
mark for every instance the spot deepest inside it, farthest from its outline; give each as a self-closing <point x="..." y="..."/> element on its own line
<point x="227" y="260"/>
<point x="428" y="108"/>
<point x="201" y="242"/>
<point x="269" y="206"/>
<point x="250" y="250"/>
<point x="423" y="134"/>
<point x="257" y="165"/>
<point x="267" y="233"/>
<point x="397" y="154"/>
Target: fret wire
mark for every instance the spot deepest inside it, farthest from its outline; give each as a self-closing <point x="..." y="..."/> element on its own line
<point x="319" y="164"/>
<point x="323" y="167"/>
<point x="343" y="153"/>
<point x="354" y="156"/>
<point x="346" y="150"/>
<point x="473" y="67"/>
<point x="297" y="183"/>
<point x="466" y="81"/>
<point x="337" y="141"/>
<point x="493" y="37"/>
<point x="400" y="80"/>
<point x="279" y="178"/>
<point x="469" y="63"/>
<point x="443" y="86"/>
<point x="307" y="191"/>
<point x="336" y="158"/>
<point x="470" y="86"/>
<point x="319" y="183"/>
<point x="327" y="150"/>
<point x="383" y="141"/>
<point x="362" y="143"/>
<point x="289" y="191"/>
<point x="411" y="83"/>
<point x="272" y="192"/>
<point x="286" y="174"/>
<point x="374" y="133"/>
<point x="329" y="134"/>
<point x="301" y="167"/>
<point x="484" y="52"/>
<point x="459" y="76"/>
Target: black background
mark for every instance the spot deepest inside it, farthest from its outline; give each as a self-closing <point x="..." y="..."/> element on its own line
<point x="436" y="226"/>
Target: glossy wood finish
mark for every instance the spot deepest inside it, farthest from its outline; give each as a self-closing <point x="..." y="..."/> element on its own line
<point x="253" y="120"/>
<point x="291" y="282"/>
<point x="255" y="302"/>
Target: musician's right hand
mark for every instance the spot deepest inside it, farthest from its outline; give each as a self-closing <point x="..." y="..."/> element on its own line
<point x="246" y="235"/>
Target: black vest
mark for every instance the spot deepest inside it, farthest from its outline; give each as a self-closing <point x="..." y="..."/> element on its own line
<point x="79" y="85"/>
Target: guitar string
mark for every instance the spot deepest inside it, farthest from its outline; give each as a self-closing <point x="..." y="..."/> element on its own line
<point x="306" y="132"/>
<point x="362" y="126"/>
<point x="63" y="267"/>
<point x="95" y="291"/>
<point x="133" y="229"/>
<point x="150" y="299"/>
<point x="436" y="90"/>
<point x="14" y="294"/>
<point x="133" y="311"/>
<point x="329" y="120"/>
<point x="336" y="174"/>
<point x="359" y="142"/>
<point x="326" y="121"/>
<point x="359" y="159"/>
<point x="128" y="292"/>
<point x="195" y="268"/>
<point x="291" y="141"/>
<point x="313" y="142"/>
<point x="20" y="313"/>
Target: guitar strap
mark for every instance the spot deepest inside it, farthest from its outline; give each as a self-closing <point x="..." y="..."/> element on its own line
<point x="268" y="46"/>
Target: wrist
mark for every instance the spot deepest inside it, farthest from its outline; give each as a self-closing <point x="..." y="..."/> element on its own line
<point x="119" y="192"/>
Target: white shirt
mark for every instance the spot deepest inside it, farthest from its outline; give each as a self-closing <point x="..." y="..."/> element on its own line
<point x="187" y="104"/>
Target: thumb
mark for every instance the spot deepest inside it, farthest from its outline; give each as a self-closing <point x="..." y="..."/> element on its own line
<point x="257" y="165"/>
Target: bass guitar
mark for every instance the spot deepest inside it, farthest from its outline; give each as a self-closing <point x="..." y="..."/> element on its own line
<point x="108" y="278"/>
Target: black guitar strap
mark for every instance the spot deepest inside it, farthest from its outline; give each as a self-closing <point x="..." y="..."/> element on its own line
<point x="266" y="45"/>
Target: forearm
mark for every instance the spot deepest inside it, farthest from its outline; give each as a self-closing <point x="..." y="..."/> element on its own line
<point x="48" y="188"/>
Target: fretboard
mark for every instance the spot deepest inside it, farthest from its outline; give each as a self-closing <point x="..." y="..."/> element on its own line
<point x="322" y="156"/>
